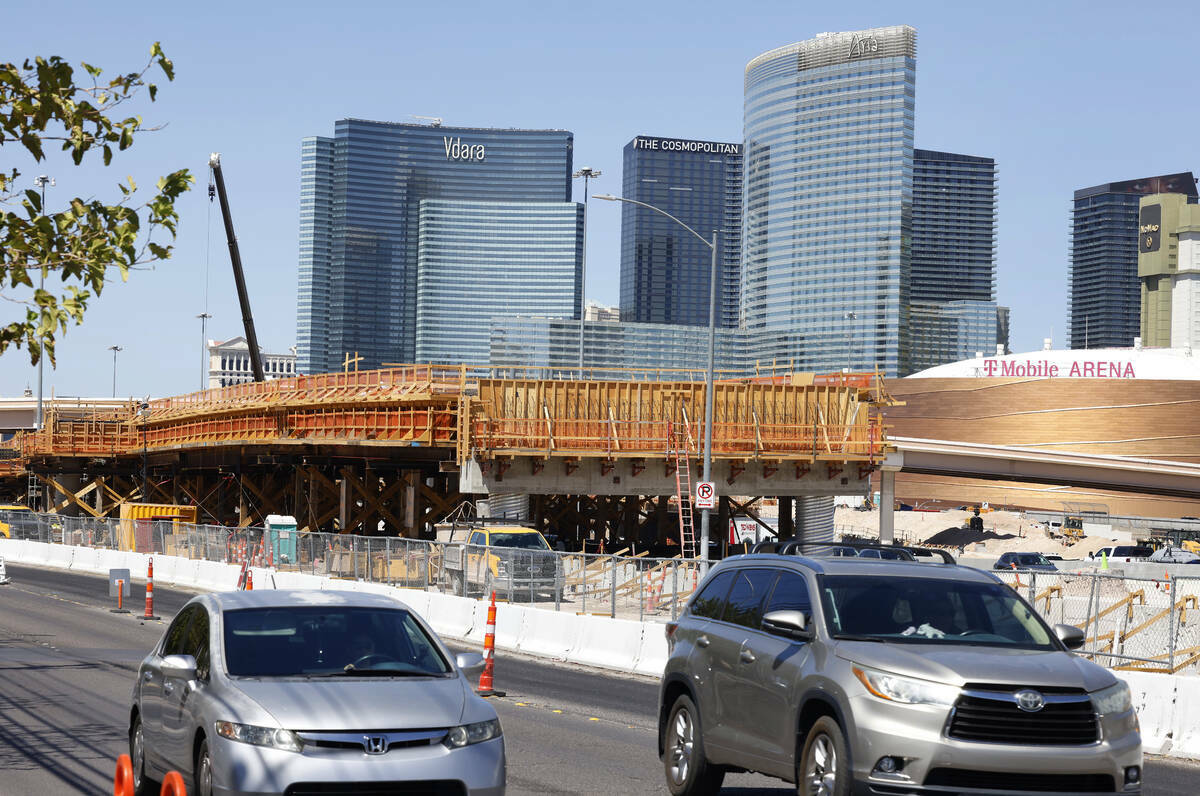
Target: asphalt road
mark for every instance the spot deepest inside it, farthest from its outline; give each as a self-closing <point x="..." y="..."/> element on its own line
<point x="67" y="666"/>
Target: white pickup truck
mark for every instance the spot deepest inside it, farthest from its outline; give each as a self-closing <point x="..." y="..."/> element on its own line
<point x="1122" y="553"/>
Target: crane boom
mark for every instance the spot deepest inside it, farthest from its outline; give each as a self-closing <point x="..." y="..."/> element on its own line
<point x="239" y="278"/>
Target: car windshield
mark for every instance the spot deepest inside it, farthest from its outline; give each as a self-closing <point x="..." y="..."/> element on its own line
<point x="297" y="641"/>
<point x="1131" y="551"/>
<point x="525" y="541"/>
<point x="930" y="611"/>
<point x="1030" y="559"/>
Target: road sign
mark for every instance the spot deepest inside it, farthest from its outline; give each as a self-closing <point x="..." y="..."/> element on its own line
<point x="706" y="495"/>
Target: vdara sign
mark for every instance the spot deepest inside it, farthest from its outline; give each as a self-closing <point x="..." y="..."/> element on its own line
<point x="457" y="150"/>
<point x="1044" y="368"/>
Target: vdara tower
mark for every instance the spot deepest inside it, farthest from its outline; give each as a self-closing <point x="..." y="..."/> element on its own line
<point x="828" y="200"/>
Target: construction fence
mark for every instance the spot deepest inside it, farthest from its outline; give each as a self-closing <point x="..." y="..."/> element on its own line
<point x="1129" y="623"/>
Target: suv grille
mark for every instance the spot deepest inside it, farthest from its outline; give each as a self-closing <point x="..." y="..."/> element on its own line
<point x="432" y="787"/>
<point x="1067" y="719"/>
<point x="1044" y="783"/>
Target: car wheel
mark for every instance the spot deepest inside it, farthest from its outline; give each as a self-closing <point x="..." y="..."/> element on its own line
<point x="688" y="771"/>
<point x="142" y="785"/>
<point x="824" y="764"/>
<point x="202" y="773"/>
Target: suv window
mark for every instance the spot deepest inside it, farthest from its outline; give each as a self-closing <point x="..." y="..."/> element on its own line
<point x="745" y="603"/>
<point x="790" y="594"/>
<point x="175" y="642"/>
<point x="711" y="600"/>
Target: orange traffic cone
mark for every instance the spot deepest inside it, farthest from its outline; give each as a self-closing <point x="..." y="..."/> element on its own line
<point x="486" y="679"/>
<point x="249" y="580"/>
<point x="149" y="591"/>
<point x="173" y="785"/>
<point x="123" y="778"/>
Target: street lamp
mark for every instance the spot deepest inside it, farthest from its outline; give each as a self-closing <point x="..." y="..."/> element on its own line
<point x="115" y="349"/>
<point x="40" y="181"/>
<point x="588" y="173"/>
<point x="204" y="316"/>
<point x="708" y="375"/>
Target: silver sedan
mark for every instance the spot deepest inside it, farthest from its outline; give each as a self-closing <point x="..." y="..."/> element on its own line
<point x="307" y="692"/>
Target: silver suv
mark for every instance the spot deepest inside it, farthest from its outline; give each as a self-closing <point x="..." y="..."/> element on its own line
<point x="850" y="675"/>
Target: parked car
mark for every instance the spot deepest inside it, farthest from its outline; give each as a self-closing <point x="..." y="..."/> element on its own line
<point x="1173" y="555"/>
<point x="1123" y="553"/>
<point x="512" y="560"/>
<point x="18" y="522"/>
<point x="272" y="692"/>
<point x="1024" y="561"/>
<point x="897" y="677"/>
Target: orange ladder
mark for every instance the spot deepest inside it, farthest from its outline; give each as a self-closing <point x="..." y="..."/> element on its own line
<point x="681" y="443"/>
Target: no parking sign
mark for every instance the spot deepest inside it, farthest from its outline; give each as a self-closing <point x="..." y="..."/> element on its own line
<point x="706" y="495"/>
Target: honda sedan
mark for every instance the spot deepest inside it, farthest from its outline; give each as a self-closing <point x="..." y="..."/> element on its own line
<point x="298" y="692"/>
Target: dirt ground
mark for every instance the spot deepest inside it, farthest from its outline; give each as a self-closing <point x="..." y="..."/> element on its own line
<point x="1004" y="531"/>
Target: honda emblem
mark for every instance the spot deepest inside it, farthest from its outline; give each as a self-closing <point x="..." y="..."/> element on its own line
<point x="375" y="744"/>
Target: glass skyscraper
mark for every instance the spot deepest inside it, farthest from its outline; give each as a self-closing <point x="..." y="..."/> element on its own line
<point x="478" y="261"/>
<point x="361" y="194"/>
<point x="828" y="200"/>
<point x="665" y="271"/>
<point x="953" y="313"/>
<point x="1105" y="303"/>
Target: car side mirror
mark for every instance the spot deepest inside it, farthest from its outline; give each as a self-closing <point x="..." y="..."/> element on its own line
<point x="471" y="663"/>
<point x="1071" y="636"/>
<point x="181" y="667"/>
<point x="793" y="624"/>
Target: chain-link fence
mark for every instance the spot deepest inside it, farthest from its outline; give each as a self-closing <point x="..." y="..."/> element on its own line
<point x="1129" y="623"/>
<point x="630" y="587"/>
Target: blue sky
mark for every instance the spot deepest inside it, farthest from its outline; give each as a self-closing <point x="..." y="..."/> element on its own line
<point x="1063" y="95"/>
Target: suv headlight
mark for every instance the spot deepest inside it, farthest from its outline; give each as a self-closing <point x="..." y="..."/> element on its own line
<point x="274" y="737"/>
<point x="467" y="734"/>
<point x="907" y="690"/>
<point x="1114" y="699"/>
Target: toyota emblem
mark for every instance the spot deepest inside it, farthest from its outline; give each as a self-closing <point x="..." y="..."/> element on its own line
<point x="1029" y="700"/>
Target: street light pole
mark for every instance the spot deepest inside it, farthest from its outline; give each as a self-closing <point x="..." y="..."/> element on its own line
<point x="115" y="349"/>
<point x="708" y="375"/>
<point x="587" y="173"/>
<point x="40" y="181"/>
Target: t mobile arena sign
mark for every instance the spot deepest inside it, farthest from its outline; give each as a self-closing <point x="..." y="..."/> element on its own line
<point x="1072" y="369"/>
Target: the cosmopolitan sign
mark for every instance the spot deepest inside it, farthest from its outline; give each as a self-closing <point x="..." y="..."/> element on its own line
<point x="680" y="145"/>
<point x="1045" y="368"/>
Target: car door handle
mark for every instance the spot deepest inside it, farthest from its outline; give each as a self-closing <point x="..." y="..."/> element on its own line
<point x="747" y="656"/>
<point x="168" y="686"/>
<point x="702" y="641"/>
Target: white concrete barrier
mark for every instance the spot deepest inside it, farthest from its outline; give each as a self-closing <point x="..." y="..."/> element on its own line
<point x="415" y="599"/>
<point x="1185" y="728"/>
<point x="217" y="576"/>
<point x="652" y="654"/>
<point x="451" y="616"/>
<point x="1154" y="699"/>
<point x="510" y="622"/>
<point x="551" y="634"/>
<point x="610" y="643"/>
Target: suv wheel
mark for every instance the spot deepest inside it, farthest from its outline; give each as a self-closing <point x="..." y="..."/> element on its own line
<point x="688" y="772"/>
<point x="824" y="765"/>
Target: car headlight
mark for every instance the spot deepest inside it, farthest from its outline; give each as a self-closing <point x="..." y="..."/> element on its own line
<point x="467" y="734"/>
<point x="260" y="736"/>
<point x="907" y="690"/>
<point x="1114" y="699"/>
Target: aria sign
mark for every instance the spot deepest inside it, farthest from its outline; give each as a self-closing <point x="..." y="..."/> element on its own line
<point x="1044" y="368"/>
<point x="862" y="46"/>
<point x="457" y="150"/>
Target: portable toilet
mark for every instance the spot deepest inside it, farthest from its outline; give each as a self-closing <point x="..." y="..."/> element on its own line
<point x="281" y="531"/>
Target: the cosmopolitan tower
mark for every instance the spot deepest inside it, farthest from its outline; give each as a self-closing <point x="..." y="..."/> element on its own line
<point x="828" y="200"/>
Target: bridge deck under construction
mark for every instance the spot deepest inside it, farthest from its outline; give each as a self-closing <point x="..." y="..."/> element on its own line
<point x="435" y="420"/>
